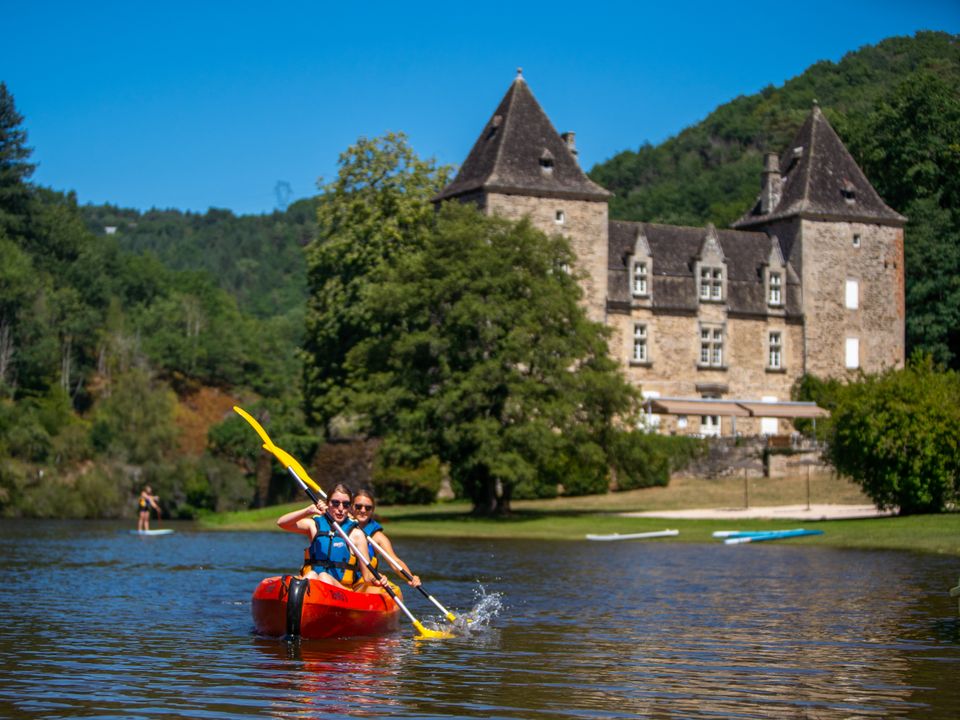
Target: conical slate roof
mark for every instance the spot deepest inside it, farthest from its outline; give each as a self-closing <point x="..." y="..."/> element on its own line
<point x="519" y="152"/>
<point x="821" y="179"/>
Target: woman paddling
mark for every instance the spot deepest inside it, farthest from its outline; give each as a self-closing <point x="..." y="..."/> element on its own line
<point x="147" y="500"/>
<point x="363" y="506"/>
<point x="329" y="558"/>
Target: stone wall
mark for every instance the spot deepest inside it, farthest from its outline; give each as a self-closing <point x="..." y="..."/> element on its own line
<point x="830" y="258"/>
<point x="584" y="222"/>
<point x="673" y="369"/>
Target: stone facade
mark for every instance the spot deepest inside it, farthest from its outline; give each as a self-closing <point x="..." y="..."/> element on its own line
<point x="853" y="294"/>
<point x="584" y="222"/>
<point x="811" y="280"/>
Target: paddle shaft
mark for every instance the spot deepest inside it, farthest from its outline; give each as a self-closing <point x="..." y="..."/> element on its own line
<point x="403" y="571"/>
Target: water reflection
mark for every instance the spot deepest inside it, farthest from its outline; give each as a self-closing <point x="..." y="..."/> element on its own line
<point x="126" y="628"/>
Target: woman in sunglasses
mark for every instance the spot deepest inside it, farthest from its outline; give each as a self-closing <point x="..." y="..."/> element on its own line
<point x="363" y="506"/>
<point x="329" y="558"/>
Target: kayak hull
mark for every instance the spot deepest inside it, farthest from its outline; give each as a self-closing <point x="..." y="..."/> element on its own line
<point x="325" y="611"/>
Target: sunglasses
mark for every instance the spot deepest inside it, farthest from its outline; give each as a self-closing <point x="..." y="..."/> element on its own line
<point x="361" y="506"/>
<point x="345" y="504"/>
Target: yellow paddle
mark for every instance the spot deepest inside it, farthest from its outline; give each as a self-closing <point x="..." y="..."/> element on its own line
<point x="300" y="475"/>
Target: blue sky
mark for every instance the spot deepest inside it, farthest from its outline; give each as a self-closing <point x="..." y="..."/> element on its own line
<point x="212" y="104"/>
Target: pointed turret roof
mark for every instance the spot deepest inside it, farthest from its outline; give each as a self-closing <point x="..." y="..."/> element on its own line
<point x="820" y="179"/>
<point x="519" y="152"/>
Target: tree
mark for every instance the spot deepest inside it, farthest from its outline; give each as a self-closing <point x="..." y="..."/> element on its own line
<point x="898" y="436"/>
<point x="376" y="210"/>
<point x="486" y="360"/>
<point x="14" y="168"/>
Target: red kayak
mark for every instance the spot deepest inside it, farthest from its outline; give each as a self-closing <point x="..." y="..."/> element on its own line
<point x="312" y="609"/>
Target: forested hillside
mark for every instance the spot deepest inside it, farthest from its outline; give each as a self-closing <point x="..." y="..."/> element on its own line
<point x="256" y="258"/>
<point x="110" y="360"/>
<point x="896" y="105"/>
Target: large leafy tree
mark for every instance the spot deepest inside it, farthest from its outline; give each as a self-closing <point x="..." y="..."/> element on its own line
<point x="486" y="360"/>
<point x="377" y="209"/>
<point x="898" y="436"/>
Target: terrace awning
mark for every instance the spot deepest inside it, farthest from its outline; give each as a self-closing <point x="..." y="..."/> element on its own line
<point x="784" y="409"/>
<point x="733" y="408"/>
<point x="694" y="406"/>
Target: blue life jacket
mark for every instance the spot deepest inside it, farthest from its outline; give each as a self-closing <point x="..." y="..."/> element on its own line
<point x="331" y="552"/>
<point x="369" y="529"/>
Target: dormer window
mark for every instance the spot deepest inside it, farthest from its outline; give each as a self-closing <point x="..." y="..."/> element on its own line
<point x="546" y="162"/>
<point x="849" y="192"/>
<point x="775" y="290"/>
<point x="640" y="279"/>
<point x="711" y="284"/>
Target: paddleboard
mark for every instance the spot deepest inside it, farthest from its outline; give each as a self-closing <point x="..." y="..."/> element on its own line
<point x="774" y="535"/>
<point x="748" y="533"/>
<point x="162" y="531"/>
<point x="634" y="536"/>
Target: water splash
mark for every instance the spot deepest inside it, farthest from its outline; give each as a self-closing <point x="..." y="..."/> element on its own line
<point x="485" y="608"/>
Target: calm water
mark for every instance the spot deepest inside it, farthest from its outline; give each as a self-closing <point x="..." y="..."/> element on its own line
<point x="95" y="622"/>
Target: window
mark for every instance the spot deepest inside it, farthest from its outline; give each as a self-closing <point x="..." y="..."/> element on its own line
<point x="853" y="353"/>
<point x="640" y="343"/>
<point x="649" y="420"/>
<point x="775" y="350"/>
<point x="640" y="278"/>
<point x="560" y="217"/>
<point x="856" y="240"/>
<point x="711" y="347"/>
<point x="852" y="295"/>
<point x="768" y="425"/>
<point x="776" y="289"/>
<point x="710" y="425"/>
<point x="711" y="283"/>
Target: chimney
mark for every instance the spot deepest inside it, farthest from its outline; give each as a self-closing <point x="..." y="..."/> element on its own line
<point x="570" y="139"/>
<point x="770" y="184"/>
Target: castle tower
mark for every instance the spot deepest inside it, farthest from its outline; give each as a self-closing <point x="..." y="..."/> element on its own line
<point x="847" y="246"/>
<point x="520" y="166"/>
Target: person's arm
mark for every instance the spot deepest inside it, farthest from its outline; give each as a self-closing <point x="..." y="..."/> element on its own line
<point x="359" y="539"/>
<point x="300" y="521"/>
<point x="381" y="539"/>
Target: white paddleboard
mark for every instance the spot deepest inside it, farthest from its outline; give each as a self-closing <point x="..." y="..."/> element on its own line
<point x="634" y="536"/>
<point x="162" y="531"/>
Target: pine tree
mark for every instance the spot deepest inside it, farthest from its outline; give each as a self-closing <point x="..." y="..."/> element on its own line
<point x="15" y="171"/>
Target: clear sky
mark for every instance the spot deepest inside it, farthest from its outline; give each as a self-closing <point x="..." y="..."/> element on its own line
<point x="205" y="104"/>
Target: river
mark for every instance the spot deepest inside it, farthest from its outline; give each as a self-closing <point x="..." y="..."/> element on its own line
<point x="95" y="622"/>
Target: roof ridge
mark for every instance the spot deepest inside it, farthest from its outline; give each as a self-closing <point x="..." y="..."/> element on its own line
<point x="507" y="124"/>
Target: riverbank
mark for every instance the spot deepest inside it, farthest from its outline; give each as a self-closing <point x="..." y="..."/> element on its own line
<point x="695" y="507"/>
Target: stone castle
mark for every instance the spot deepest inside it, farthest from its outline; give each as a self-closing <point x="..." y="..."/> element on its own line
<point x="714" y="325"/>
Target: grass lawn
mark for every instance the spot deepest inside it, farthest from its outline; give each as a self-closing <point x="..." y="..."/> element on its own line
<point x="566" y="518"/>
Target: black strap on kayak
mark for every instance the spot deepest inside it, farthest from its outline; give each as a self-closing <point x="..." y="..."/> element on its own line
<point x="296" y="590"/>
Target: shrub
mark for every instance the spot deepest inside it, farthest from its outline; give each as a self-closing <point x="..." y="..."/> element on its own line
<point x="395" y="484"/>
<point x="897" y="435"/>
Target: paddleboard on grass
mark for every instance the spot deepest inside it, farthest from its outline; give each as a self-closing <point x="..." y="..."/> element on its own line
<point x="748" y="533"/>
<point x="162" y="531"/>
<point x="773" y="535"/>
<point x="635" y="536"/>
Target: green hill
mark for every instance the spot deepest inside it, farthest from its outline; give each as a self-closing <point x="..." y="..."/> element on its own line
<point x="256" y="258"/>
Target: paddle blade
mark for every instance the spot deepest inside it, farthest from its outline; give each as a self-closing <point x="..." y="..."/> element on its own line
<point x="431" y="634"/>
<point x="255" y="425"/>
